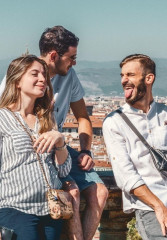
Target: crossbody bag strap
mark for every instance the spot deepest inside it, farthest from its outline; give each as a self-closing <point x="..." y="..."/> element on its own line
<point x="130" y="124"/>
<point x="32" y="140"/>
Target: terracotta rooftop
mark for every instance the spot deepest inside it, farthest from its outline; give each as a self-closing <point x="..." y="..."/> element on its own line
<point x="99" y="163"/>
<point x="96" y="123"/>
<point x="70" y="125"/>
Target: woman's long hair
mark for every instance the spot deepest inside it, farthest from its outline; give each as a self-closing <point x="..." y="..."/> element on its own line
<point x="11" y="96"/>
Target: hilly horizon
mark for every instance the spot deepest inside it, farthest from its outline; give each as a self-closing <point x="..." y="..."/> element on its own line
<point x="103" y="78"/>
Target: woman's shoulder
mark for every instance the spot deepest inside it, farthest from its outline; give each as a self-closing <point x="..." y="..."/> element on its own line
<point x="4" y="112"/>
<point x="7" y="121"/>
<point x="5" y="115"/>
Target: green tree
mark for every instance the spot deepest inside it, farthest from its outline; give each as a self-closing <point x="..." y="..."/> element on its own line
<point x="132" y="232"/>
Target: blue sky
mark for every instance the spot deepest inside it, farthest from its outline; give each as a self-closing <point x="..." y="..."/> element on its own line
<point x="108" y="29"/>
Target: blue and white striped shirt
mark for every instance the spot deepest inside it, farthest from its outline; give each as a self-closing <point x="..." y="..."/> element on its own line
<point x="22" y="183"/>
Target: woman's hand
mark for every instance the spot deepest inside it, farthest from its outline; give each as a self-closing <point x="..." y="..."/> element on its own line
<point x="48" y="140"/>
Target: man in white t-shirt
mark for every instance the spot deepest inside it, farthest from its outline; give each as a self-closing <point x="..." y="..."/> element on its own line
<point x="58" y="48"/>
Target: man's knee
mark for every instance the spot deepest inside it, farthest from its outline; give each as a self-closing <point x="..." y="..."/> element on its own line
<point x="96" y="194"/>
<point x="75" y="193"/>
<point x="73" y="190"/>
<point x="102" y="193"/>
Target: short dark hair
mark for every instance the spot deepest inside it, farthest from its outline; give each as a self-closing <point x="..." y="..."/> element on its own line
<point x="57" y="38"/>
<point x="147" y="63"/>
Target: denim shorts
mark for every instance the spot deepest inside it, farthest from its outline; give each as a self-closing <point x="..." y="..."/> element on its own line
<point x="148" y="225"/>
<point x="83" y="179"/>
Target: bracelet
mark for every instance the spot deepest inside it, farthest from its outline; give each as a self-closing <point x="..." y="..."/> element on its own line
<point x="61" y="148"/>
<point x="87" y="152"/>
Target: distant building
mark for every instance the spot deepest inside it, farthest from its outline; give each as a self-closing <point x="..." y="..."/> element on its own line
<point x="70" y="127"/>
<point x="97" y="108"/>
<point x="89" y="109"/>
<point x="102" y="166"/>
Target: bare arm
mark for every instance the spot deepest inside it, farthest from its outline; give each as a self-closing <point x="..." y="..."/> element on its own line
<point x="85" y="126"/>
<point x="146" y="196"/>
<point x="85" y="132"/>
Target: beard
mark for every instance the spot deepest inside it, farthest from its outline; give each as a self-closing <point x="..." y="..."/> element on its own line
<point x="60" y="68"/>
<point x="141" y="91"/>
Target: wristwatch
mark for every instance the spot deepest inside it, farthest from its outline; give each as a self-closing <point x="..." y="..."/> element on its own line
<point x="87" y="152"/>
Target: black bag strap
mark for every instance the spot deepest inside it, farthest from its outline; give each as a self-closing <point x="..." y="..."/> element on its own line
<point x="130" y="124"/>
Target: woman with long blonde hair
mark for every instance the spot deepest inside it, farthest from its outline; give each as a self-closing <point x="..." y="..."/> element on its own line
<point x="26" y="110"/>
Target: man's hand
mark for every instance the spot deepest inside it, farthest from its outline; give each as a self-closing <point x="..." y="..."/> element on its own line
<point x="85" y="162"/>
<point x="161" y="214"/>
<point x="148" y="197"/>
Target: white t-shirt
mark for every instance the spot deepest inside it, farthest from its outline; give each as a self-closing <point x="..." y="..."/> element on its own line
<point x="66" y="89"/>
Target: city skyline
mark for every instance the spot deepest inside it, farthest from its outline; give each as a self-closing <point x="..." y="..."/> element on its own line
<point x="108" y="30"/>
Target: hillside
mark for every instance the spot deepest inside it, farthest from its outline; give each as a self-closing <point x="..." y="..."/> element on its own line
<point x="103" y="78"/>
